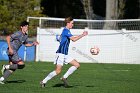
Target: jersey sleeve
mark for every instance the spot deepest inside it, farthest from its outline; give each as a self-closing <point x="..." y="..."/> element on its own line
<point x="14" y="36"/>
<point x="68" y="34"/>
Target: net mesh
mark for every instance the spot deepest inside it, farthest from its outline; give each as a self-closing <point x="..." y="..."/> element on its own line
<point x="110" y="35"/>
<point x="130" y="24"/>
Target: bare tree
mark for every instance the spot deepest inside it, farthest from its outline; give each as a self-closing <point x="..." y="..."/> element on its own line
<point x="114" y="11"/>
<point x="111" y="9"/>
<point x="111" y="13"/>
<point x="139" y="9"/>
<point x="88" y="10"/>
<point x="121" y="6"/>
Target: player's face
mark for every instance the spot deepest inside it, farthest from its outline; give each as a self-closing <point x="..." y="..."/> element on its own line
<point x="24" y="29"/>
<point x="70" y="25"/>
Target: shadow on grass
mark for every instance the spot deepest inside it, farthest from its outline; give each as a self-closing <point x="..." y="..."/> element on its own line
<point x="90" y="86"/>
<point x="16" y="81"/>
<point x="84" y="86"/>
<point x="61" y="85"/>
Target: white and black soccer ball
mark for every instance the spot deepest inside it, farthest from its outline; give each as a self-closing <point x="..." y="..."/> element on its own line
<point x="94" y="50"/>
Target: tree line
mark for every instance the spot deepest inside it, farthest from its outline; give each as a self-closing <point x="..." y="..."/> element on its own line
<point x="12" y="12"/>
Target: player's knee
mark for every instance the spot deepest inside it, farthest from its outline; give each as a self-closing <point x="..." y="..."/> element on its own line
<point x="78" y="65"/>
<point x="58" y="71"/>
<point x="21" y="66"/>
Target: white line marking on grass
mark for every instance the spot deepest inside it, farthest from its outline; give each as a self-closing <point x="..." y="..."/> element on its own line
<point x="121" y="70"/>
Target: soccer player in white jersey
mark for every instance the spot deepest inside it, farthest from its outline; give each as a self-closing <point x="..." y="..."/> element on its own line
<point x="14" y="42"/>
<point x="62" y="56"/>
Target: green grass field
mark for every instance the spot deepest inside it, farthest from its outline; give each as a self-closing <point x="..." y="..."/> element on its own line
<point x="90" y="78"/>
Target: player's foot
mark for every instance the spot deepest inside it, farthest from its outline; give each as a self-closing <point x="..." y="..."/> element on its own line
<point x="65" y="82"/>
<point x="3" y="69"/>
<point x="1" y="81"/>
<point x="42" y="84"/>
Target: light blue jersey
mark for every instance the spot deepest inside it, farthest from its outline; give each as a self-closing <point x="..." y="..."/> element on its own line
<point x="64" y="41"/>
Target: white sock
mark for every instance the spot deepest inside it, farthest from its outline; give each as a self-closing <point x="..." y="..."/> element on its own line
<point x="70" y="71"/>
<point x="50" y="76"/>
<point x="7" y="66"/>
<point x="2" y="79"/>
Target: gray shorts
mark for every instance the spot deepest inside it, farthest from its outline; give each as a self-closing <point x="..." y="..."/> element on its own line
<point x="14" y="58"/>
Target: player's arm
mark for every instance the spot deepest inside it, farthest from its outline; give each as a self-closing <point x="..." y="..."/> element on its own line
<point x="75" y="38"/>
<point x="32" y="44"/>
<point x="9" y="45"/>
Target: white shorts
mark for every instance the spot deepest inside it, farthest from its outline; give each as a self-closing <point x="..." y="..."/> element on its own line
<point x="62" y="59"/>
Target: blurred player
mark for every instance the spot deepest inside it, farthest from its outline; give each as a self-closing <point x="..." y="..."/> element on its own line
<point x="14" y="42"/>
<point x="62" y="56"/>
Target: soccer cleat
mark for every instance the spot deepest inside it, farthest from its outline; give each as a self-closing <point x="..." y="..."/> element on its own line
<point x="3" y="69"/>
<point x="65" y="82"/>
<point x="42" y="84"/>
<point x="1" y="81"/>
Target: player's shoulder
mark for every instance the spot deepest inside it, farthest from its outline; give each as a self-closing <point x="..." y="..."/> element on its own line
<point x="65" y="30"/>
<point x="17" y="32"/>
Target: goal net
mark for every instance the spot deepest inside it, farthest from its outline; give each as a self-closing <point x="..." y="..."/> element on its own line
<point x="118" y="40"/>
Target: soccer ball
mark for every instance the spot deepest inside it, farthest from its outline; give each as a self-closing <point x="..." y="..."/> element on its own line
<point x="94" y="51"/>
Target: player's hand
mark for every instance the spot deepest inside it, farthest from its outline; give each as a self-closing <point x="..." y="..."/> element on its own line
<point x="85" y="33"/>
<point x="35" y="43"/>
<point x="11" y="51"/>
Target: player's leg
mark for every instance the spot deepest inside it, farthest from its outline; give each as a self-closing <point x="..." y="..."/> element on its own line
<point x="72" y="69"/>
<point x="15" y="63"/>
<point x="6" y="73"/>
<point x="12" y="67"/>
<point x="4" y="66"/>
<point x="73" y="62"/>
<point x="59" y="64"/>
<point x="51" y="75"/>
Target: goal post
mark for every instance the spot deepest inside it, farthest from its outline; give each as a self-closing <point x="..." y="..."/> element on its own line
<point x="129" y="24"/>
<point x="118" y="40"/>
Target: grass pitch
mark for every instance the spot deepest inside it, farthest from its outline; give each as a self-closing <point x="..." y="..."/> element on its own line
<point x="90" y="78"/>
